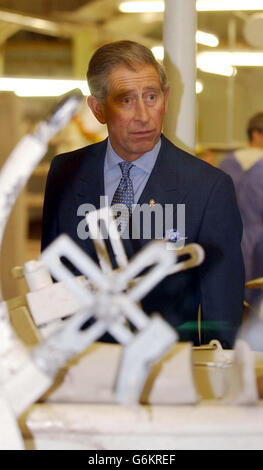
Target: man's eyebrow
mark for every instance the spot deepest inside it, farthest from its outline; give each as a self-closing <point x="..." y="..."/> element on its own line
<point x="151" y="88"/>
<point x="124" y="92"/>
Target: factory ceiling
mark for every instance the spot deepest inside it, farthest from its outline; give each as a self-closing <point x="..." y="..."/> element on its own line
<point x="29" y="24"/>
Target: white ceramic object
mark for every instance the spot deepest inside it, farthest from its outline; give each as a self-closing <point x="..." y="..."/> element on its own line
<point x="28" y="153"/>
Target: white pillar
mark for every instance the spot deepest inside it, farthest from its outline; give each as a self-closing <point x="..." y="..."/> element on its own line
<point x="180" y="62"/>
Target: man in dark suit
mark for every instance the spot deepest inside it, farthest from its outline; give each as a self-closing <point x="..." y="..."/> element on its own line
<point x="138" y="165"/>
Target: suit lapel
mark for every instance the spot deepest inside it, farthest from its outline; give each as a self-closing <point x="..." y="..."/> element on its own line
<point x="91" y="181"/>
<point x="163" y="185"/>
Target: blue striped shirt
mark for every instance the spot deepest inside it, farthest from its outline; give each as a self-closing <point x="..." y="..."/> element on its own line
<point x="139" y="173"/>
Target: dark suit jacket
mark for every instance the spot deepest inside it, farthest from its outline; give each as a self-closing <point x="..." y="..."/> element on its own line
<point x="212" y="220"/>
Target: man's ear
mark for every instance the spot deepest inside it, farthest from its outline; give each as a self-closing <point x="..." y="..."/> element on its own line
<point x="97" y="108"/>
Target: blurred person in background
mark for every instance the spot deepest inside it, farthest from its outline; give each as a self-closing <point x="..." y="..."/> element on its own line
<point x="245" y="166"/>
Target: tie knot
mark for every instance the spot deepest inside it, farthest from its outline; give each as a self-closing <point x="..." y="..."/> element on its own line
<point x="125" y="168"/>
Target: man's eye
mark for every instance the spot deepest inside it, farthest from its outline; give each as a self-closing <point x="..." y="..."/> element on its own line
<point x="151" y="98"/>
<point x="126" y="100"/>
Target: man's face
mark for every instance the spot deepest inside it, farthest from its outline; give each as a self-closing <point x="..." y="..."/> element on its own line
<point x="133" y="110"/>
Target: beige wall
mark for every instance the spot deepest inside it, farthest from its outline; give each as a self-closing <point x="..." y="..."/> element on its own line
<point x="83" y="48"/>
<point x="212" y="105"/>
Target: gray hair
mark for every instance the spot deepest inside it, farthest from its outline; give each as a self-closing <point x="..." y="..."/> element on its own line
<point x="128" y="53"/>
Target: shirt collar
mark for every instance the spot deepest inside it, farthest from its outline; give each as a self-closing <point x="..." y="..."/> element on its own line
<point x="146" y="162"/>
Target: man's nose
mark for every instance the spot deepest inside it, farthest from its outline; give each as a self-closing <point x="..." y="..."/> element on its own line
<point x="141" y="112"/>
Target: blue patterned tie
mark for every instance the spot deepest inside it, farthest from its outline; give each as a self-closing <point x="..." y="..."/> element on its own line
<point x="124" y="194"/>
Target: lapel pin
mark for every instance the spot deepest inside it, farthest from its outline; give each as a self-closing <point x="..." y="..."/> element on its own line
<point x="174" y="235"/>
<point x="152" y="203"/>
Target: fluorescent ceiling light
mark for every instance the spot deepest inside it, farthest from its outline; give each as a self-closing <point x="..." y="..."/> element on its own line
<point x="207" y="39"/>
<point x="48" y="87"/>
<point x="229" y="5"/>
<point x="247" y="59"/>
<point x="41" y="87"/>
<point x="158" y="6"/>
<point x="28" y="21"/>
<point x="234" y="59"/>
<point x="218" y="69"/>
<point x="211" y="64"/>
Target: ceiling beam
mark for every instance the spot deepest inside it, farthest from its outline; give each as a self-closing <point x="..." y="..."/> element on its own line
<point x="97" y="12"/>
<point x="41" y="24"/>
